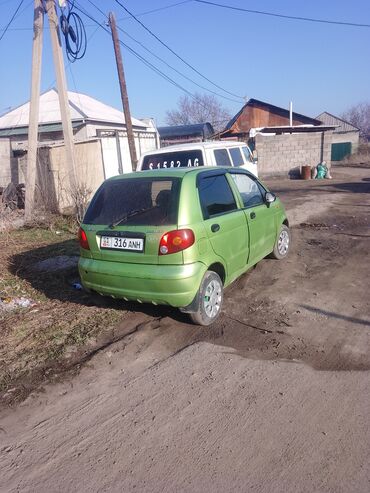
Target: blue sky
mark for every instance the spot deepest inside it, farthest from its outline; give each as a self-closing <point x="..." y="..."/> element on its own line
<point x="320" y="67"/>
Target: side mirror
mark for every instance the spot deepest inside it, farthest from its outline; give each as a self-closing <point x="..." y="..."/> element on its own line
<point x="269" y="198"/>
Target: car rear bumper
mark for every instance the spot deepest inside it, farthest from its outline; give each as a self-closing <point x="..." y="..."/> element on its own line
<point x="174" y="285"/>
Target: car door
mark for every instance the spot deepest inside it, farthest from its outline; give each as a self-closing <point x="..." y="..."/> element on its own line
<point x="260" y="217"/>
<point x="225" y="223"/>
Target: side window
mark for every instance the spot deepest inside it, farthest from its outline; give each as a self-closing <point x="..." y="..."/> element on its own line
<point x="247" y="154"/>
<point x="216" y="196"/>
<point x="222" y="157"/>
<point x="236" y="156"/>
<point x="248" y="189"/>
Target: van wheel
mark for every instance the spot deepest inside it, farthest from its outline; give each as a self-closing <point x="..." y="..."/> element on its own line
<point x="208" y="300"/>
<point x="282" y="244"/>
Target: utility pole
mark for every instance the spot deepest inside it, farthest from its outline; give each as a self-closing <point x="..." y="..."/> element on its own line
<point x="124" y="96"/>
<point x="62" y="93"/>
<point x="38" y="27"/>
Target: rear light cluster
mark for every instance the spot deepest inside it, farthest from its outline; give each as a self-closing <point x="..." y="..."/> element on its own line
<point x="82" y="237"/>
<point x="176" y="241"/>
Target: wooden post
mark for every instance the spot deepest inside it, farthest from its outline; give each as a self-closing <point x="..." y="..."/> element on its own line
<point x="38" y="26"/>
<point x="124" y="96"/>
<point x="62" y="94"/>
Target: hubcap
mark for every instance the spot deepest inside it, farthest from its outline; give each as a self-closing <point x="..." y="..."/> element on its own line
<point x="212" y="298"/>
<point x="283" y="242"/>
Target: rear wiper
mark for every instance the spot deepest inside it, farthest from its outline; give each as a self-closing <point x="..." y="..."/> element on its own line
<point x="127" y="216"/>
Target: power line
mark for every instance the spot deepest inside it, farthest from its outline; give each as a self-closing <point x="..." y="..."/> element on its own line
<point x="156" y="10"/>
<point x="292" y="17"/>
<point x="11" y="20"/>
<point x="143" y="60"/>
<point x="164" y="61"/>
<point x="176" y="54"/>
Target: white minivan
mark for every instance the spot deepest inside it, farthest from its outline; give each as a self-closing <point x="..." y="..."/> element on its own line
<point x="216" y="153"/>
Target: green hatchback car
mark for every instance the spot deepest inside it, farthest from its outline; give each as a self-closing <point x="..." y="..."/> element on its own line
<point x="179" y="236"/>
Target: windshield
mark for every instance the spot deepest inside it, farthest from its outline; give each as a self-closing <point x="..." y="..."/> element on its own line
<point x="135" y="201"/>
<point x="176" y="159"/>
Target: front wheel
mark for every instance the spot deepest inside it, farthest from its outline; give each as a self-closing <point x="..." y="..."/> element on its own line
<point x="282" y="244"/>
<point x="208" y="300"/>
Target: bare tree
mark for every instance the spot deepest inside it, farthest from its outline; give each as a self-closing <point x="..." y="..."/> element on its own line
<point x="203" y="108"/>
<point x="359" y="116"/>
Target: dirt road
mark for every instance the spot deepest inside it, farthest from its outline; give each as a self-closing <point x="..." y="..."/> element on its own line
<point x="274" y="397"/>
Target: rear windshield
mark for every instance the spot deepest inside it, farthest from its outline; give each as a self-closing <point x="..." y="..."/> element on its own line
<point x="177" y="159"/>
<point x="135" y="201"/>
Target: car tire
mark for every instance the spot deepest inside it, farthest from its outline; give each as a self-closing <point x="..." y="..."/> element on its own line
<point x="208" y="300"/>
<point x="282" y="244"/>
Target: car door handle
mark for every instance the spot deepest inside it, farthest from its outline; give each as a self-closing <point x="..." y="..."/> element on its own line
<point x="215" y="228"/>
<point x="253" y="215"/>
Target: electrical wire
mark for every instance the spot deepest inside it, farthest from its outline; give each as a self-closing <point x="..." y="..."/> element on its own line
<point x="166" y="63"/>
<point x="292" y="17"/>
<point x="156" y="10"/>
<point x="11" y="19"/>
<point x="143" y="60"/>
<point x="74" y="33"/>
<point x="176" y="54"/>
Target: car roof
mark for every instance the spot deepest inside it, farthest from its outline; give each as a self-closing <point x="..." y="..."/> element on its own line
<point x="171" y="172"/>
<point x="215" y="144"/>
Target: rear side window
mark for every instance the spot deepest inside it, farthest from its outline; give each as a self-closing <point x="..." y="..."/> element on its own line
<point x="222" y="157"/>
<point x="236" y="156"/>
<point x="179" y="159"/>
<point x="216" y="196"/>
<point x="135" y="201"/>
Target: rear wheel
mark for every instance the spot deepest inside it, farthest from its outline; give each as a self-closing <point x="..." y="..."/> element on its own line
<point x="282" y="244"/>
<point x="208" y="300"/>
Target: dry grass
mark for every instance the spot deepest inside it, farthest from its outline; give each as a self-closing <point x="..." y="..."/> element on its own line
<point x="36" y="341"/>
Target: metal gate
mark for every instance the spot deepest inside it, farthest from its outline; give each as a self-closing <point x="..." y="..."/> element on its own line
<point x="340" y="150"/>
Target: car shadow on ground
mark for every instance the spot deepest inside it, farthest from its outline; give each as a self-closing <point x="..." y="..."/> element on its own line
<point x="63" y="284"/>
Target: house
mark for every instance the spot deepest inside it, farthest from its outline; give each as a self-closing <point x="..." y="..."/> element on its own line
<point x="91" y="119"/>
<point x="346" y="136"/>
<point x="257" y="114"/>
<point x="181" y="134"/>
<point x="283" y="141"/>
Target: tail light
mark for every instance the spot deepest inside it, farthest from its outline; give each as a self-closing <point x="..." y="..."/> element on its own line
<point x="83" y="239"/>
<point x="176" y="241"/>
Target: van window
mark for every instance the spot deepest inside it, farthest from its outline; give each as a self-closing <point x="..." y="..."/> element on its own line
<point x="222" y="157"/>
<point x="216" y="196"/>
<point x="247" y="154"/>
<point x="175" y="159"/>
<point x="135" y="201"/>
<point x="236" y="156"/>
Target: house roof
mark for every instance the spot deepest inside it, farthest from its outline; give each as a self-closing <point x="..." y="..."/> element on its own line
<point x="342" y="125"/>
<point x="193" y="130"/>
<point x="273" y="109"/>
<point x="82" y="108"/>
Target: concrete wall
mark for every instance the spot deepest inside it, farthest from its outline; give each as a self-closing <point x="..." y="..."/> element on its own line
<point x="352" y="137"/>
<point x="54" y="190"/>
<point x="5" y="158"/>
<point x="285" y="154"/>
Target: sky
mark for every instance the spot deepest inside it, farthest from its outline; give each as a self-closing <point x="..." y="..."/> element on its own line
<point x="318" y="66"/>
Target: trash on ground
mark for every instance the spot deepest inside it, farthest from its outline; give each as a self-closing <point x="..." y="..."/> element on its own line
<point x="8" y="303"/>
<point x="77" y="285"/>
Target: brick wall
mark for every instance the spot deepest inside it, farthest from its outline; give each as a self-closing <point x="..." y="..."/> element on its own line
<point x="285" y="154"/>
<point x="5" y="162"/>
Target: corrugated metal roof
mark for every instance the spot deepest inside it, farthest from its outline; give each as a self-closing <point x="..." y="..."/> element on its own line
<point x="193" y="130"/>
<point x="82" y="107"/>
<point x="342" y="125"/>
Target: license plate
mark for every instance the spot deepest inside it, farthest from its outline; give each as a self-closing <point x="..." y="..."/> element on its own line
<point x="118" y="243"/>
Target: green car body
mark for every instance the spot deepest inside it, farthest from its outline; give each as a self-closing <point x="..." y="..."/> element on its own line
<point x="227" y="242"/>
